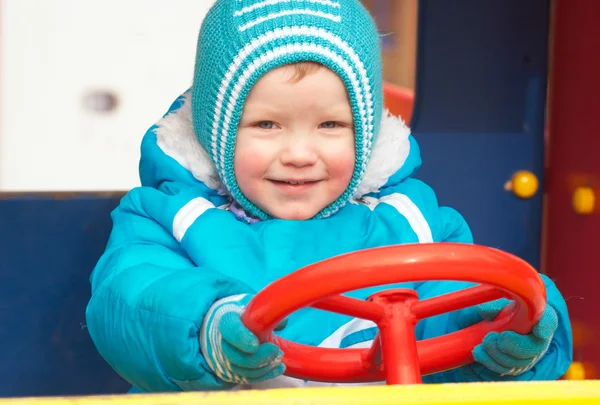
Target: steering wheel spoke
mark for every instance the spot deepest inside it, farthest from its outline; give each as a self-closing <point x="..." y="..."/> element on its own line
<point x="456" y="300"/>
<point x="373" y="356"/>
<point x="351" y="307"/>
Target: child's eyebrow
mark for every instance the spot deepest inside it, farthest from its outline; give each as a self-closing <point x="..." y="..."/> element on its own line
<point x="340" y="108"/>
<point x="262" y="109"/>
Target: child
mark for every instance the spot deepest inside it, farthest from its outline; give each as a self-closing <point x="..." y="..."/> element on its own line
<point x="279" y="156"/>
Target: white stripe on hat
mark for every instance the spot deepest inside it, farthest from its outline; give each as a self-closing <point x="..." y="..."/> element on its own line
<point x="272" y="16"/>
<point x="267" y="3"/>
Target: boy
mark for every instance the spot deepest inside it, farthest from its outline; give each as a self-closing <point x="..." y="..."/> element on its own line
<point x="280" y="156"/>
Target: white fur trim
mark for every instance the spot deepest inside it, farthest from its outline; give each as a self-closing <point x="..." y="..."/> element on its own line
<point x="176" y="138"/>
<point x="389" y="153"/>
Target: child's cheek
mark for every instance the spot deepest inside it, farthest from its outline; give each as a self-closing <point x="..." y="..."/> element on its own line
<point x="342" y="163"/>
<point x="251" y="162"/>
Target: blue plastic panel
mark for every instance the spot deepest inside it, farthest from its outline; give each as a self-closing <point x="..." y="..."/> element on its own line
<point x="479" y="113"/>
<point x="49" y="245"/>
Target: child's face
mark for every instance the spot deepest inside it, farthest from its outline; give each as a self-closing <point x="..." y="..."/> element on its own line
<point x="294" y="153"/>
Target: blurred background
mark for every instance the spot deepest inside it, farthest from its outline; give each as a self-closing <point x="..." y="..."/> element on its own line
<point x="502" y="96"/>
<point x="81" y="82"/>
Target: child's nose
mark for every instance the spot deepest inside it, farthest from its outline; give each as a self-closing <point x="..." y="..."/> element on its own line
<point x="299" y="152"/>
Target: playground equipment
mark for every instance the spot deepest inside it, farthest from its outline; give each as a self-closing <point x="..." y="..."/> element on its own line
<point x="478" y="114"/>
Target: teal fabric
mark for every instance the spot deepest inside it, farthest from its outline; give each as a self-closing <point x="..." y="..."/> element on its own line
<point x="240" y="41"/>
<point x="510" y="353"/>
<point x="232" y="351"/>
<point x="175" y="250"/>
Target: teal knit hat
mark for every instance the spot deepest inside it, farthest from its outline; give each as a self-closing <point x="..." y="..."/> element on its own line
<point x="241" y="40"/>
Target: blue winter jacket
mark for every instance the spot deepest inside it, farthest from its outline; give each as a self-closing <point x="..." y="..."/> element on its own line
<point x="175" y="249"/>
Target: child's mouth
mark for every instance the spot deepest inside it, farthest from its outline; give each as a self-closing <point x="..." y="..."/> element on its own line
<point x="294" y="184"/>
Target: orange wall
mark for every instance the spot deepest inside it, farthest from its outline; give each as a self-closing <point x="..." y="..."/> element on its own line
<point x="399" y="19"/>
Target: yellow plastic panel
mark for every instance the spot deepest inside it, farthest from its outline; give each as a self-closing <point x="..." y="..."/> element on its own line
<point x="538" y="393"/>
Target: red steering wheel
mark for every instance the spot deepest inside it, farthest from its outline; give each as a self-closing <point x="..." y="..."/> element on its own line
<point x="395" y="355"/>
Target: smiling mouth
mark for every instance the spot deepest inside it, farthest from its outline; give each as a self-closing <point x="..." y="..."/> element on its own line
<point x="295" y="182"/>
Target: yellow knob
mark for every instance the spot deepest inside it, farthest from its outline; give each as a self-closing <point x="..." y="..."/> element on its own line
<point x="576" y="371"/>
<point x="523" y="184"/>
<point x="584" y="200"/>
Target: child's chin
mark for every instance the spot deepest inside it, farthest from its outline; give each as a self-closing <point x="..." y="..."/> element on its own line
<point x="296" y="217"/>
<point x="296" y="214"/>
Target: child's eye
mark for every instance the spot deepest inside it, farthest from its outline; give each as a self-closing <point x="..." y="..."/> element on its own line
<point x="265" y="124"/>
<point x="329" y="124"/>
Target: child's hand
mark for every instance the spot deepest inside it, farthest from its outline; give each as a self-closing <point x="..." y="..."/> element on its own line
<point x="510" y="353"/>
<point x="231" y="350"/>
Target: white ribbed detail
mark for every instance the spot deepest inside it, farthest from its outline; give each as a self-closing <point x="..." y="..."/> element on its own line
<point x="278" y="53"/>
<point x="272" y="16"/>
<point x="520" y="370"/>
<point x="188" y="214"/>
<point x="267" y="3"/>
<point x="302" y="31"/>
<point x="408" y="210"/>
<point x="212" y="339"/>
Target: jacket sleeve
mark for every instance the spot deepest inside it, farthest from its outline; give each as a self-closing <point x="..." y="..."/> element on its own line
<point x="453" y="228"/>
<point x="149" y="297"/>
